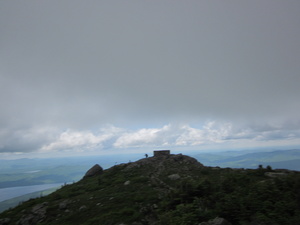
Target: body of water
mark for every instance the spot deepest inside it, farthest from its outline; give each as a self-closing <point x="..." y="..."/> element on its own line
<point x="12" y="192"/>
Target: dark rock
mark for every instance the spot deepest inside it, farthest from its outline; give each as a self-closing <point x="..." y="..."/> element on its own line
<point x="95" y="170"/>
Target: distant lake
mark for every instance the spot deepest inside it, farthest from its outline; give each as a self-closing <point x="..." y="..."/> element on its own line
<point x="12" y="192"/>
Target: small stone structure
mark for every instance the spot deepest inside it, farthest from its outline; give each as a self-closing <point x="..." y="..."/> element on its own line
<point x="161" y="153"/>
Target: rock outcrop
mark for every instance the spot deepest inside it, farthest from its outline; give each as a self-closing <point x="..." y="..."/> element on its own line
<point x="165" y="163"/>
<point x="94" y="171"/>
<point x="37" y="215"/>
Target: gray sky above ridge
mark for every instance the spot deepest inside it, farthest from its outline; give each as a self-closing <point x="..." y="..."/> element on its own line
<point x="112" y="74"/>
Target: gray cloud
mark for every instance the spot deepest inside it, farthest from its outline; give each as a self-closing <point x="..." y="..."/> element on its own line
<point x="78" y="65"/>
<point x="25" y="139"/>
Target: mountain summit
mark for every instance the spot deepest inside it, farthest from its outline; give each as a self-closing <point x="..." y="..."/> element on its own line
<point x="167" y="189"/>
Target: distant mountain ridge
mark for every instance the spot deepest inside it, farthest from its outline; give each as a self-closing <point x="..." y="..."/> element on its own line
<point x="14" y="173"/>
<point x="283" y="159"/>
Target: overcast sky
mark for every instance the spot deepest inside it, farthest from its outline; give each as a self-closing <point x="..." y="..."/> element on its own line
<point x="96" y="76"/>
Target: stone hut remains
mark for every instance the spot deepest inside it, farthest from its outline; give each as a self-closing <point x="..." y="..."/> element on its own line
<point x="161" y="153"/>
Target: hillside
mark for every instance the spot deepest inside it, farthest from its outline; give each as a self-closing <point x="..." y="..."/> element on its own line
<point x="170" y="189"/>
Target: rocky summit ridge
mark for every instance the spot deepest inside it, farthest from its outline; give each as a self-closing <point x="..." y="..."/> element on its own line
<point x="167" y="189"/>
<point x="166" y="163"/>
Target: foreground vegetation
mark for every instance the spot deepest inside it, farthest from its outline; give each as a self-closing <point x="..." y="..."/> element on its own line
<point x="173" y="190"/>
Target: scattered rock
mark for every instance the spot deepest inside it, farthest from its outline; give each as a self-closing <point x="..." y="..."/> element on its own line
<point x="216" y="221"/>
<point x="26" y="220"/>
<point x="39" y="208"/>
<point x="37" y="215"/>
<point x="174" y="177"/>
<point x="4" y="221"/>
<point x="127" y="182"/>
<point x="82" y="208"/>
<point x="63" y="205"/>
<point x="274" y="174"/>
<point x="95" y="170"/>
<point x="144" y="209"/>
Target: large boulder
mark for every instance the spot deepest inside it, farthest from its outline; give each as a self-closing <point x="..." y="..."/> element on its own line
<point x="95" y="170"/>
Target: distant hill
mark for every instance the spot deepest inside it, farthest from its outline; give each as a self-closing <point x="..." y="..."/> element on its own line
<point x="287" y="159"/>
<point x="25" y="172"/>
<point x="168" y="190"/>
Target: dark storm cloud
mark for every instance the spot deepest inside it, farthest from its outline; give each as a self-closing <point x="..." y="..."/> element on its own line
<point x="81" y="65"/>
